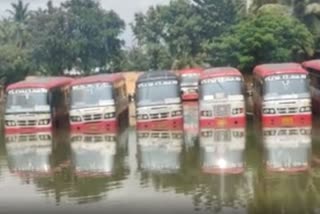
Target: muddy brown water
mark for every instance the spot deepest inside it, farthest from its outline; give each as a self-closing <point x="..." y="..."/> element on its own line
<point x="209" y="171"/>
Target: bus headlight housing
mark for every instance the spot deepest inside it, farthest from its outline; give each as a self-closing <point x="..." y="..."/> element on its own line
<point x="109" y="115"/>
<point x="236" y="111"/>
<point x="206" y="113"/>
<point x="269" y="111"/>
<point x="75" y="118"/>
<point x="176" y="113"/>
<point x="305" y="109"/>
<point x="10" y="123"/>
<point x="142" y="117"/>
<point x="44" y="122"/>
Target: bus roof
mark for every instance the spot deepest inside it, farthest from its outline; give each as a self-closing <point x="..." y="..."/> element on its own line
<point x="220" y="72"/>
<point x="191" y="71"/>
<point x="41" y="82"/>
<point x="157" y="75"/>
<point x="312" y="64"/>
<point x="109" y="78"/>
<point x="281" y="68"/>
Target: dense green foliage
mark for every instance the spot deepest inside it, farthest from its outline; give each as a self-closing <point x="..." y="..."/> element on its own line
<point x="80" y="34"/>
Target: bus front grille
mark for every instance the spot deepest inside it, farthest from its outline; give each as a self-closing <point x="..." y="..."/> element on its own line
<point x="292" y="110"/>
<point x="27" y="122"/>
<point x="159" y="115"/>
<point x="90" y="117"/>
<point x="222" y="110"/>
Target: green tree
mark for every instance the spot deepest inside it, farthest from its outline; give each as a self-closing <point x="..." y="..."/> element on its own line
<point x="19" y="11"/>
<point x="263" y="38"/>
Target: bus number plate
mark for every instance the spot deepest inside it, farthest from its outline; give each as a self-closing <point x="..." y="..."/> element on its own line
<point x="287" y="121"/>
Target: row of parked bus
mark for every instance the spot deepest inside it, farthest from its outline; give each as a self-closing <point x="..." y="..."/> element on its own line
<point x="282" y="96"/>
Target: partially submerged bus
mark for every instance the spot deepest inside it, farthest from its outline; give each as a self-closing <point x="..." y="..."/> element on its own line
<point x="287" y="149"/>
<point x="222" y="150"/>
<point x="189" y="83"/>
<point x="37" y="104"/>
<point x="158" y="102"/>
<point x="98" y="103"/>
<point x="313" y="67"/>
<point x="159" y="151"/>
<point x="29" y="154"/>
<point x="93" y="154"/>
<point x="222" y="102"/>
<point x="281" y="94"/>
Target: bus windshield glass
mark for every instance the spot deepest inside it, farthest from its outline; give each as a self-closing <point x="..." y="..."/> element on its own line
<point x="293" y="85"/>
<point x="91" y="95"/>
<point x="189" y="79"/>
<point x="27" y="100"/>
<point x="158" y="92"/>
<point x="221" y="86"/>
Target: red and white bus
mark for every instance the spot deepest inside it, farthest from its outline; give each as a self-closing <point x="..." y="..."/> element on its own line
<point x="313" y="67"/>
<point x="37" y="104"/>
<point x="158" y="102"/>
<point x="222" y="150"/>
<point x="98" y="103"/>
<point x="29" y="154"/>
<point x="222" y="102"/>
<point x="287" y="149"/>
<point x="282" y="94"/>
<point x="189" y="83"/>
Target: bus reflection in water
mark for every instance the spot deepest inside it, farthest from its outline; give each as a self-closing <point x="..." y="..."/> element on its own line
<point x="189" y="83"/>
<point x="222" y="150"/>
<point x="93" y="154"/>
<point x="159" y="151"/>
<point x="29" y="154"/>
<point x="282" y="95"/>
<point x="287" y="149"/>
<point x="37" y="104"/>
<point x="190" y="122"/>
<point x="158" y="102"/>
<point x="221" y="102"/>
<point x="98" y="103"/>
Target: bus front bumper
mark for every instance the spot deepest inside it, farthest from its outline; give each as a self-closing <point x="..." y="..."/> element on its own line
<point x="227" y="122"/>
<point x="95" y="127"/>
<point x="168" y="124"/>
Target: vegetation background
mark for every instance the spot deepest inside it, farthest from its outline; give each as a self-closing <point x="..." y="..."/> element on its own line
<point x="81" y="35"/>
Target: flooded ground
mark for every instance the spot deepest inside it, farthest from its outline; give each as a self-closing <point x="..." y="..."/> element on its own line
<point x="250" y="169"/>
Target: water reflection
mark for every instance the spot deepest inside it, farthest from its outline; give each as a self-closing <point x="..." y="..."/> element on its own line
<point x="287" y="149"/>
<point x="222" y="150"/>
<point x="191" y="123"/>
<point x="29" y="154"/>
<point x="159" y="151"/>
<point x="93" y="155"/>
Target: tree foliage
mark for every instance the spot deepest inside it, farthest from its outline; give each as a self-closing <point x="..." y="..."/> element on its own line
<point x="260" y="39"/>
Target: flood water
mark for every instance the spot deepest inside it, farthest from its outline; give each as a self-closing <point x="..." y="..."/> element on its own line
<point x="251" y="169"/>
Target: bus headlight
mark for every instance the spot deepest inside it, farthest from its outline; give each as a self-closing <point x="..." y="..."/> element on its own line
<point x="10" y="123"/>
<point x="236" y="111"/>
<point x="142" y="117"/>
<point x="44" y="122"/>
<point x="176" y="113"/>
<point x="269" y="111"/>
<point x="109" y="115"/>
<point x="305" y="109"/>
<point x="75" y="118"/>
<point x="206" y="133"/>
<point x="206" y="113"/>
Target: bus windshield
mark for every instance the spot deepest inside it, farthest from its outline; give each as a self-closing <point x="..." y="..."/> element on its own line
<point x="189" y="79"/>
<point x="166" y="92"/>
<point x="211" y="88"/>
<point x="282" y="85"/>
<point x="27" y="100"/>
<point x="90" y="95"/>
